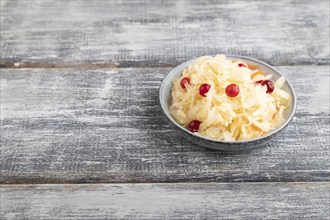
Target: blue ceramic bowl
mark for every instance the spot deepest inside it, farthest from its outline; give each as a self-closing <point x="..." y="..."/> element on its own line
<point x="165" y="102"/>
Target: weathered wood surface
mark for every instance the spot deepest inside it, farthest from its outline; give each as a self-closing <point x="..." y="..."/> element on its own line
<point x="90" y="125"/>
<point x="167" y="201"/>
<point x="82" y="126"/>
<point x="49" y="33"/>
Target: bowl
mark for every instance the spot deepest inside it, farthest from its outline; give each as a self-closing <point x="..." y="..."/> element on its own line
<point x="165" y="100"/>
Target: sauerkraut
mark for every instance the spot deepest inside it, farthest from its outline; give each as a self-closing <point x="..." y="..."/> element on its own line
<point x="252" y="113"/>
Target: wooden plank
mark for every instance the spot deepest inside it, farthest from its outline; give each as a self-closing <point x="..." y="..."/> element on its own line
<point x="167" y="201"/>
<point x="81" y="126"/>
<point x="76" y="33"/>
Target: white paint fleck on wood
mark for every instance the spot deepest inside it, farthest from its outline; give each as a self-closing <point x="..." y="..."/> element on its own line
<point x="152" y="33"/>
<point x="167" y="201"/>
<point x="105" y="92"/>
<point x="57" y="128"/>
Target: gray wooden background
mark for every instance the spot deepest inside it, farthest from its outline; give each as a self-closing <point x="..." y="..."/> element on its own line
<point x="82" y="135"/>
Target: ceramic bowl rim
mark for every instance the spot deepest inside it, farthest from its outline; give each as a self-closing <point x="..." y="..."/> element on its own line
<point x="171" y="119"/>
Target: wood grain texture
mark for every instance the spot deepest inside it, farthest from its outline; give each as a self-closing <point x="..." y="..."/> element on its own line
<point x="167" y="201"/>
<point x="105" y="126"/>
<point x="77" y="33"/>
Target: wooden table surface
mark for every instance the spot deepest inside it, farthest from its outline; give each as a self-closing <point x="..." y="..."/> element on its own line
<point x="82" y="134"/>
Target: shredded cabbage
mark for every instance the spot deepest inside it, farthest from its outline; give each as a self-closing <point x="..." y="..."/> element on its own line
<point x="249" y="115"/>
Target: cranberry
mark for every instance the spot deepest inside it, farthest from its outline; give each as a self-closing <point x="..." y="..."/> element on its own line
<point x="193" y="126"/>
<point x="241" y="65"/>
<point x="268" y="83"/>
<point x="203" y="89"/>
<point x="184" y="81"/>
<point x="232" y="90"/>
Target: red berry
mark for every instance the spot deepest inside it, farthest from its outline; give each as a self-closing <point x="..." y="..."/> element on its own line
<point x="241" y="65"/>
<point x="193" y="126"/>
<point x="184" y="81"/>
<point x="268" y="83"/>
<point x="203" y="89"/>
<point x="232" y="90"/>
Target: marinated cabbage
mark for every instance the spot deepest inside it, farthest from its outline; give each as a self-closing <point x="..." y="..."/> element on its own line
<point x="256" y="110"/>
